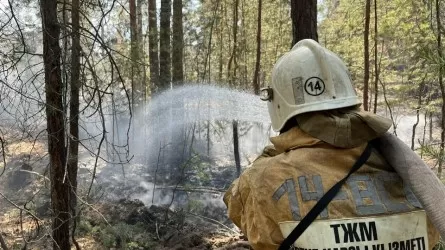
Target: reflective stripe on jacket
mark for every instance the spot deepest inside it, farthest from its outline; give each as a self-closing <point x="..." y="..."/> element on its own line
<point x="286" y="181"/>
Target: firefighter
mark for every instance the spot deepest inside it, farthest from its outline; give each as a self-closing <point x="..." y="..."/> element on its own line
<point x="324" y="143"/>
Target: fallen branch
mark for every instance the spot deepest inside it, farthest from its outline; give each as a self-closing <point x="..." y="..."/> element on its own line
<point x="195" y="189"/>
<point x="236" y="245"/>
<point x="35" y="173"/>
<point x="156" y="173"/>
<point x="215" y="222"/>
<point x="2" y="242"/>
<point x="2" y="146"/>
<point x="21" y="209"/>
<point x="157" y="231"/>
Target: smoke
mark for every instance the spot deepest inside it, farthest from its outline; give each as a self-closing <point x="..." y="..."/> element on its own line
<point x="180" y="146"/>
<point x="191" y="117"/>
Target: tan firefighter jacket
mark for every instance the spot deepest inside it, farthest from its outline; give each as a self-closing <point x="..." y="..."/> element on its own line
<point x="373" y="210"/>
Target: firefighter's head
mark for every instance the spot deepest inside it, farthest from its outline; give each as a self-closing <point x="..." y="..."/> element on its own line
<point x="308" y="78"/>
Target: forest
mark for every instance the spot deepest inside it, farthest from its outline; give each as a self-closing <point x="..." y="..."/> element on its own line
<point x="123" y="123"/>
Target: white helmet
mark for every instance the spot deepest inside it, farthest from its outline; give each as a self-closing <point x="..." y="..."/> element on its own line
<point x="308" y="78"/>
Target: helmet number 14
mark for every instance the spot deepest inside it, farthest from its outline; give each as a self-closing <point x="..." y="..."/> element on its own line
<point x="314" y="86"/>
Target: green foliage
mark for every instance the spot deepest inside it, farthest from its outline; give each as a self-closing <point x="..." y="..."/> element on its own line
<point x="405" y="41"/>
<point x="127" y="236"/>
<point x="194" y="206"/>
<point x="213" y="20"/>
<point x="17" y="246"/>
<point x="107" y="237"/>
<point x="121" y="235"/>
<point x="432" y="151"/>
<point x="201" y="168"/>
<point x="84" y="227"/>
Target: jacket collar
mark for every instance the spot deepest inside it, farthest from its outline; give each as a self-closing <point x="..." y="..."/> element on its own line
<point x="292" y="139"/>
<point x="343" y="128"/>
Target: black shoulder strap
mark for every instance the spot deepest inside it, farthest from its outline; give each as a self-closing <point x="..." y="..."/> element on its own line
<point x="323" y="202"/>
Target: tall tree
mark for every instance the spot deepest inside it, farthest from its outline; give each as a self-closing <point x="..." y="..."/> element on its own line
<point x="153" y="46"/>
<point x="221" y="42"/>
<point x="256" y="75"/>
<point x="243" y="50"/>
<point x="304" y="20"/>
<point x="442" y="88"/>
<point x="207" y="60"/>
<point x="73" y="148"/>
<point x="139" y="4"/>
<point x="164" y="45"/>
<point x="60" y="189"/>
<point x="232" y="75"/>
<point x="177" y="44"/>
<point x="141" y="87"/>
<point x="133" y="51"/>
<point x="376" y="64"/>
<point x="236" y="147"/>
<point x="366" y="56"/>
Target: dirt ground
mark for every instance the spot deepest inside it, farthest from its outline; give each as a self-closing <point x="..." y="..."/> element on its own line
<point x="25" y="214"/>
<point x="124" y="225"/>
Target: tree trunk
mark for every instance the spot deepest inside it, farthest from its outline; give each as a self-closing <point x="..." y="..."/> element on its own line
<point x="164" y="44"/>
<point x="304" y="20"/>
<point x="177" y="44"/>
<point x="74" y="113"/>
<point x="139" y="37"/>
<point x="221" y="44"/>
<point x="65" y="46"/>
<point x="256" y="78"/>
<point x="394" y="124"/>
<point x="236" y="147"/>
<point x="232" y="75"/>
<point x="442" y="89"/>
<point x="60" y="189"/>
<point x="424" y="135"/>
<point x="140" y="85"/>
<point x="279" y="32"/>
<point x="208" y="137"/>
<point x="376" y="66"/>
<point x="242" y="79"/>
<point x="133" y="50"/>
<point x="419" y="105"/>
<point x="430" y="132"/>
<point x="2" y="242"/>
<point x="244" y="51"/>
<point x="153" y="46"/>
<point x="207" y="60"/>
<point x="366" y="56"/>
<point x="220" y="60"/>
